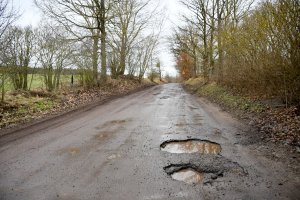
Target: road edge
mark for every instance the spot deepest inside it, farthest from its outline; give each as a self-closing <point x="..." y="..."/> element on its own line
<point x="11" y="134"/>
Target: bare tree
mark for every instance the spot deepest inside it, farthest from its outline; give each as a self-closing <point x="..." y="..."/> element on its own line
<point x="145" y="54"/>
<point x="199" y="10"/>
<point x="55" y="54"/>
<point x="83" y="18"/>
<point x="8" y="15"/>
<point x="131" y="18"/>
<point x="186" y="39"/>
<point x="19" y="52"/>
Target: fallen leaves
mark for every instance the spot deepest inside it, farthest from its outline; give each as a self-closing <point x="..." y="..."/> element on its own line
<point x="280" y="124"/>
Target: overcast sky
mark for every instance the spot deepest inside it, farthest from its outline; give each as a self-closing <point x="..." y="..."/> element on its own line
<point x="31" y="16"/>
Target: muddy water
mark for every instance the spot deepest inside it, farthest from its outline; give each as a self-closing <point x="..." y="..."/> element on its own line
<point x="189" y="176"/>
<point x="191" y="146"/>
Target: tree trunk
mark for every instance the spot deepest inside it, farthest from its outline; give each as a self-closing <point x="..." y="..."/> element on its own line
<point x="122" y="60"/>
<point x="3" y="87"/>
<point x="103" y="42"/>
<point x="219" y="38"/>
<point x="95" y="58"/>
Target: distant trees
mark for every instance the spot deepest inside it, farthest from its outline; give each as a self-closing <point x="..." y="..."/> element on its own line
<point x="54" y="54"/>
<point x="251" y="50"/>
<point x="18" y="54"/>
<point x="79" y="36"/>
<point x="145" y="54"/>
<point x="83" y="19"/>
<point x="116" y="28"/>
<point x="8" y="15"/>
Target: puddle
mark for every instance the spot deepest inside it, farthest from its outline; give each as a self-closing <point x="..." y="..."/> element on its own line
<point x="112" y="123"/>
<point x="113" y="156"/>
<point x="188" y="124"/>
<point x="181" y="124"/>
<point x="194" y="174"/>
<point x="193" y="108"/>
<point x="117" y="121"/>
<point x="103" y="135"/>
<point x="188" y="176"/>
<point x="73" y="151"/>
<point x="191" y="146"/>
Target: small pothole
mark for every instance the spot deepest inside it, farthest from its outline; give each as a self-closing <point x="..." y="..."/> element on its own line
<point x="189" y="176"/>
<point x="165" y="97"/>
<point x="191" y="146"/>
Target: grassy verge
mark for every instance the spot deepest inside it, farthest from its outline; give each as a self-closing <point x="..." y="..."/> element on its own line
<point x="278" y="124"/>
<point x="224" y="97"/>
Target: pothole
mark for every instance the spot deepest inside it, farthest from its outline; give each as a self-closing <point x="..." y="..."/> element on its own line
<point x="191" y="146"/>
<point x="192" y="174"/>
<point x="189" y="176"/>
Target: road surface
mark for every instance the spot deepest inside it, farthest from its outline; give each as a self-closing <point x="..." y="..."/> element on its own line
<point x="113" y="151"/>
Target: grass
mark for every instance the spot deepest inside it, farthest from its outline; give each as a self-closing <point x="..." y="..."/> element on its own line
<point x="223" y="96"/>
<point x="21" y="107"/>
<point x="38" y="82"/>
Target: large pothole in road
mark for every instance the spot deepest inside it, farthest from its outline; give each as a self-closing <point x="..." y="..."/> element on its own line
<point x="191" y="146"/>
<point x="189" y="176"/>
<point x="192" y="174"/>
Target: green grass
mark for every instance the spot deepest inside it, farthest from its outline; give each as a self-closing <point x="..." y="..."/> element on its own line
<point x="37" y="82"/>
<point x="223" y="96"/>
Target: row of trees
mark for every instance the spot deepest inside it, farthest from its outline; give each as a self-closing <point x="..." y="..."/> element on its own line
<point x="252" y="49"/>
<point x="120" y="30"/>
<point x="81" y="34"/>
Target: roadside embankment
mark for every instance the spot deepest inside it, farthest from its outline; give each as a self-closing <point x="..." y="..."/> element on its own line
<point x="23" y="107"/>
<point x="274" y="121"/>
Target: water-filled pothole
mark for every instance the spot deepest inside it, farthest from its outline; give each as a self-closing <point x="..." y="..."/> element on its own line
<point x="189" y="176"/>
<point x="193" y="174"/>
<point x="191" y="146"/>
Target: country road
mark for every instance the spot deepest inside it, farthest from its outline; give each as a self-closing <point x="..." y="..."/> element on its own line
<point x="118" y="150"/>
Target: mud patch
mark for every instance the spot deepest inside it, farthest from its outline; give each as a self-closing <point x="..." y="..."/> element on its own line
<point x="191" y="146"/>
<point x="71" y="151"/>
<point x="117" y="121"/>
<point x="103" y="135"/>
<point x="112" y="123"/>
<point x="188" y="124"/>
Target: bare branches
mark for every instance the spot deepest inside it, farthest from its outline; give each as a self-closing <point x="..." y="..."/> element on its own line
<point x="8" y="15"/>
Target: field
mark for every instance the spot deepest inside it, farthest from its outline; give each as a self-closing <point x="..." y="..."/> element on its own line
<point x="36" y="82"/>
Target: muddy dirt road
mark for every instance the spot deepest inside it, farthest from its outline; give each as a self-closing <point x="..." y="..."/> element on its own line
<point x="131" y="148"/>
